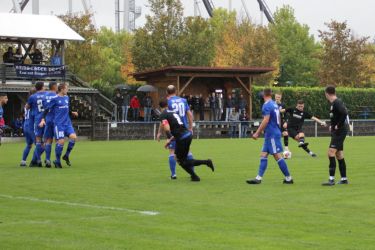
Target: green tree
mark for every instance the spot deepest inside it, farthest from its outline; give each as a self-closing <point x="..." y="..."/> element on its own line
<point x="299" y="62"/>
<point x="343" y="57"/>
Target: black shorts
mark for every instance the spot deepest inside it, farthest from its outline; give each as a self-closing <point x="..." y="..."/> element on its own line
<point x="337" y="140"/>
<point x="183" y="148"/>
<point x="293" y="132"/>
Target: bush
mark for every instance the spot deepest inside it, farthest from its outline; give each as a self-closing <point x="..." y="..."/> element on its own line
<point x="356" y="100"/>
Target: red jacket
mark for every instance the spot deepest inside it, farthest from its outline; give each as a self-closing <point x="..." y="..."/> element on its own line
<point x="134" y="103"/>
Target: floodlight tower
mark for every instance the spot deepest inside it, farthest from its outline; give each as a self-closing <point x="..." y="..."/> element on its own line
<point x="131" y="13"/>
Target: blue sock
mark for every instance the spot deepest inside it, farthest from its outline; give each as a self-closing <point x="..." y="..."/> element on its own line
<point x="190" y="156"/>
<point x="38" y="149"/>
<point x="34" y="155"/>
<point x="26" y="152"/>
<point x="283" y="167"/>
<point x="48" y="149"/>
<point x="172" y="164"/>
<point x="58" y="151"/>
<point x="70" y="147"/>
<point x="262" y="166"/>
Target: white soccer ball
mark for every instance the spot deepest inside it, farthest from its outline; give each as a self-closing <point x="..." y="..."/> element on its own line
<point x="287" y="154"/>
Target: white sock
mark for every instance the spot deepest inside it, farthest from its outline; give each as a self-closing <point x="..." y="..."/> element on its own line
<point x="344" y="178"/>
<point x="332" y="178"/>
<point x="288" y="178"/>
<point x="259" y="178"/>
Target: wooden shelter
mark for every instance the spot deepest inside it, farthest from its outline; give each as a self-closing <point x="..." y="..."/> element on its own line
<point x="202" y="80"/>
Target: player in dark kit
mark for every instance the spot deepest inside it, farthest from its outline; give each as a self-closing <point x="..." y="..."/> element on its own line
<point x="176" y="131"/>
<point x="339" y="128"/>
<point x="296" y="119"/>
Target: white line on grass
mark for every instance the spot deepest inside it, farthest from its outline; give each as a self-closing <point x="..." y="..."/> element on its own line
<point x="74" y="204"/>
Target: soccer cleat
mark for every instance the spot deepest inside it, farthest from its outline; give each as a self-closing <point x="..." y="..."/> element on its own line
<point x="288" y="182"/>
<point x="173" y="177"/>
<point x="313" y="155"/>
<point x="66" y="159"/>
<point x="195" y="178"/>
<point x="254" y="181"/>
<point x="33" y="164"/>
<point x="23" y="164"/>
<point x="39" y="165"/>
<point x="57" y="164"/>
<point x="210" y="165"/>
<point x="342" y="182"/>
<point x="303" y="144"/>
<point x="48" y="164"/>
<point x="329" y="183"/>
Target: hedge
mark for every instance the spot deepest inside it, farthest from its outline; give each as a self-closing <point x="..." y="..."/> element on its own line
<point x="356" y="100"/>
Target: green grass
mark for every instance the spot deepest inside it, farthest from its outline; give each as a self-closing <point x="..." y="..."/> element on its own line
<point x="220" y="212"/>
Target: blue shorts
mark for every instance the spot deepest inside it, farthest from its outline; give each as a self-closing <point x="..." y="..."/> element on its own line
<point x="272" y="145"/>
<point x="48" y="130"/>
<point x="38" y="131"/>
<point x="172" y="145"/>
<point x="29" y="136"/>
<point x="62" y="131"/>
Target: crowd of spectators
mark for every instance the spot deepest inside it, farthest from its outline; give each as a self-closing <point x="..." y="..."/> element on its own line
<point x="36" y="57"/>
<point x="126" y="102"/>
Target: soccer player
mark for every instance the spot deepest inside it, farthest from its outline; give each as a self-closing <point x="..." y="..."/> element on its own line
<point x="49" y="128"/>
<point x="272" y="139"/>
<point x="181" y="107"/>
<point x="3" y="101"/>
<point x="339" y="129"/>
<point x="63" y="125"/>
<point x="283" y="127"/>
<point x="28" y="130"/>
<point x="35" y="103"/>
<point x="175" y="130"/>
<point x="296" y="119"/>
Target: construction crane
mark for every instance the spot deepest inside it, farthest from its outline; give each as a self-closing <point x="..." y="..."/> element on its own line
<point x="18" y="7"/>
<point x="209" y="7"/>
<point x="266" y="11"/>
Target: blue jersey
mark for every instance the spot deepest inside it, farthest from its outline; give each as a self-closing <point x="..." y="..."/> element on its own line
<point x="270" y="108"/>
<point x="1" y="112"/>
<point x="179" y="106"/>
<point x="35" y="102"/>
<point x="59" y="106"/>
<point x="29" y="120"/>
<point x="48" y="97"/>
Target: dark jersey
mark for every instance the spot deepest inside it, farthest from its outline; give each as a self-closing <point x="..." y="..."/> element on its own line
<point x="338" y="114"/>
<point x="176" y="125"/>
<point x="296" y="118"/>
<point x="282" y="115"/>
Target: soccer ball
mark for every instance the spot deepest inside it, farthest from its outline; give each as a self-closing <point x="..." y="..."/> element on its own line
<point x="287" y="154"/>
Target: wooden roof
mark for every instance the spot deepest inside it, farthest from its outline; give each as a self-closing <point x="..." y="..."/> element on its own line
<point x="202" y="72"/>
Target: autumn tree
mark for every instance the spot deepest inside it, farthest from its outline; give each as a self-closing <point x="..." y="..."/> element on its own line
<point x="343" y="57"/>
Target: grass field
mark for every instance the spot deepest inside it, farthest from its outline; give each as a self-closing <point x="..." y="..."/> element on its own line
<point x="95" y="204"/>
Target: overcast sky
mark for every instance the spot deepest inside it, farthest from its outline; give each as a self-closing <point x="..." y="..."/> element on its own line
<point x="360" y="14"/>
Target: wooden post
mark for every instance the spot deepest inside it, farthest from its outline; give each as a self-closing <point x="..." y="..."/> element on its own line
<point x="250" y="98"/>
<point x="93" y="114"/>
<point x="62" y="52"/>
<point x="178" y="85"/>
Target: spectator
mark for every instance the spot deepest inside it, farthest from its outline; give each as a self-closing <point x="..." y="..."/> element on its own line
<point x="201" y="102"/>
<point x="18" y="125"/>
<point x="147" y="105"/>
<point x="3" y="101"/>
<point x="8" y="56"/>
<point x="242" y="104"/>
<point x="125" y="107"/>
<point x="196" y="107"/>
<point x="18" y="57"/>
<point x="56" y="59"/>
<point x="135" y="105"/>
<point x="190" y="101"/>
<point x="213" y="107"/>
<point x="220" y="106"/>
<point x="244" y="119"/>
<point x="36" y="57"/>
<point x="233" y="119"/>
<point x="118" y="100"/>
<point x="229" y="107"/>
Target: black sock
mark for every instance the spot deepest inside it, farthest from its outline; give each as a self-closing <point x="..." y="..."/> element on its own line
<point x="188" y="167"/>
<point x="302" y="139"/>
<point x="198" y="162"/>
<point x="306" y="149"/>
<point x="332" y="166"/>
<point x="286" y="141"/>
<point x="342" y="167"/>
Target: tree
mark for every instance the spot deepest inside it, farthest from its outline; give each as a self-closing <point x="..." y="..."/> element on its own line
<point x="343" y="56"/>
<point x="298" y="50"/>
